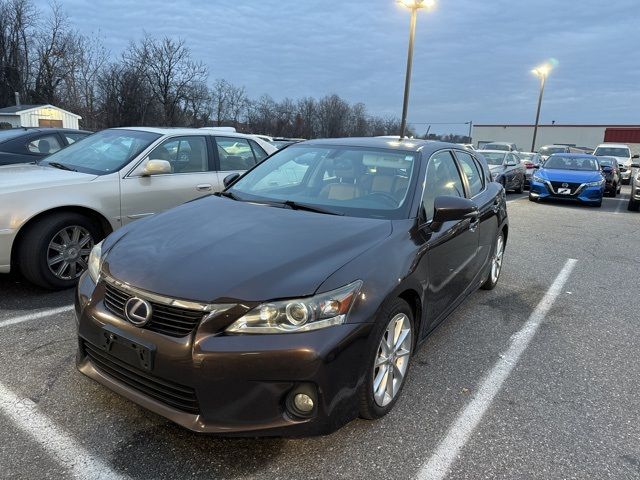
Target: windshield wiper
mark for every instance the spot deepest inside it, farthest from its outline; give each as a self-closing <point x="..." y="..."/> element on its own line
<point x="309" y="208"/>
<point x="61" y="166"/>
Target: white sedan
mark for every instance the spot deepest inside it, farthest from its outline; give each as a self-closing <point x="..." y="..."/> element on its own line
<point x="54" y="211"/>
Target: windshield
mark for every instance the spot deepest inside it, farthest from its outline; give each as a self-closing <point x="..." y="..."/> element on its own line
<point x="103" y="152"/>
<point x="497" y="146"/>
<point x="526" y="156"/>
<point x="493" y="158"/>
<point x="559" y="162"/>
<point x="612" y="152"/>
<point x="606" y="162"/>
<point x="354" y="181"/>
<point x="552" y="150"/>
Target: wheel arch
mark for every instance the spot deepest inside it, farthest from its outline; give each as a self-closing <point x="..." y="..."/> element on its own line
<point x="96" y="216"/>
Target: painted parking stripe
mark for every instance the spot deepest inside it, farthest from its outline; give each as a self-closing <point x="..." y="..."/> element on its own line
<point x="440" y="462"/>
<point x="35" y="316"/>
<point x="621" y="203"/>
<point x="24" y="414"/>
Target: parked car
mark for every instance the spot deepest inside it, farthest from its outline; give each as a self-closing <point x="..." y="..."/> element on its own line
<point x="634" y="198"/>
<point x="569" y="176"/>
<point x="622" y="153"/>
<point x="531" y="162"/>
<point x="53" y="212"/>
<point x="501" y="146"/>
<point x="506" y="169"/>
<point x="28" y="145"/>
<point x="299" y="306"/>
<point x="548" y="150"/>
<point x="611" y="173"/>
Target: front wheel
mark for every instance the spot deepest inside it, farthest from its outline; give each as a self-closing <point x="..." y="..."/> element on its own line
<point x="496" y="263"/>
<point x="55" y="249"/>
<point x="614" y="193"/>
<point x="633" y="206"/>
<point x="520" y="186"/>
<point x="388" y="360"/>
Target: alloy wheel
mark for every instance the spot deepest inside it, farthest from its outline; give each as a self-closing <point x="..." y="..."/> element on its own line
<point x="392" y="359"/>
<point x="496" y="261"/>
<point x="68" y="252"/>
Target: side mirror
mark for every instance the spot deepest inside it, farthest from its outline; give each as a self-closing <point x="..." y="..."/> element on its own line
<point x="537" y="165"/>
<point x="511" y="164"/>
<point x="449" y="208"/>
<point x="635" y="165"/>
<point x="156" y="167"/>
<point x="636" y="156"/>
<point x="230" y="179"/>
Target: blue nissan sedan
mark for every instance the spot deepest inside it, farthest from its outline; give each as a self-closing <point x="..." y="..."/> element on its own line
<point x="567" y="176"/>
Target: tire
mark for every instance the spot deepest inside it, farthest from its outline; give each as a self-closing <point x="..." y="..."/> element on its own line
<point x="40" y="242"/>
<point x="599" y="204"/>
<point x="614" y="193"/>
<point x="520" y="188"/>
<point x="532" y="199"/>
<point x="633" y="205"/>
<point x="504" y="185"/>
<point x="371" y="405"/>
<point x="619" y="188"/>
<point x="491" y="282"/>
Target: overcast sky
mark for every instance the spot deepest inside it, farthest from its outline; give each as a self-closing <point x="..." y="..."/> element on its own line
<point x="472" y="59"/>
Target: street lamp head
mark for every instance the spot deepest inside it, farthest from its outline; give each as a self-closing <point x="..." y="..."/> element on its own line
<point x="417" y="4"/>
<point x="542" y="70"/>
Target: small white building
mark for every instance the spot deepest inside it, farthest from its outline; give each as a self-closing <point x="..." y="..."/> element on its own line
<point x="38" y="116"/>
<point x="571" y="135"/>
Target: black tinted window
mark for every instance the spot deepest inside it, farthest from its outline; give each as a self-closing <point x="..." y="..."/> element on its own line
<point x="235" y="154"/>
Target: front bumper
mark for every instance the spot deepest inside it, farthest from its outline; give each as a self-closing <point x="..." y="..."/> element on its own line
<point x="626" y="175"/>
<point x="236" y="384"/>
<point x="7" y="236"/>
<point x="587" y="195"/>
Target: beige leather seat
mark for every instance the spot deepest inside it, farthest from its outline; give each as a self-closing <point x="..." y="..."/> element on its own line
<point x="346" y="189"/>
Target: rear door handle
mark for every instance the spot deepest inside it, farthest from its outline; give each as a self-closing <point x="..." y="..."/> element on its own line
<point x="204" y="187"/>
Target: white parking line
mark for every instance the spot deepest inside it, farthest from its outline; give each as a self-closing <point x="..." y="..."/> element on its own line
<point x="35" y="316"/>
<point x="621" y="203"/>
<point x="25" y="416"/>
<point x="438" y="466"/>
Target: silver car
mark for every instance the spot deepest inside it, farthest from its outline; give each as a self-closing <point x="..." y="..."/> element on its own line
<point x="54" y="211"/>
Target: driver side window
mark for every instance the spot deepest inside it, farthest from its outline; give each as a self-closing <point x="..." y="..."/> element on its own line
<point x="442" y="178"/>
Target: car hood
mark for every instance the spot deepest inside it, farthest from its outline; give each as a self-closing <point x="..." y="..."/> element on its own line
<point x="219" y="250"/>
<point x="571" y="176"/>
<point x="32" y="176"/>
<point x="626" y="161"/>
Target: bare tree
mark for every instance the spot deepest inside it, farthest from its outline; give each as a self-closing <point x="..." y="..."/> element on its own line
<point x="170" y="72"/>
<point x="18" y="20"/>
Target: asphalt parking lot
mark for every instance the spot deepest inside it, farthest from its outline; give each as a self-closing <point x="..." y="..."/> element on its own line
<point x="478" y="404"/>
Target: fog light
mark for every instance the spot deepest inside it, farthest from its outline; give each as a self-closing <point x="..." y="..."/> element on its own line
<point x="303" y="402"/>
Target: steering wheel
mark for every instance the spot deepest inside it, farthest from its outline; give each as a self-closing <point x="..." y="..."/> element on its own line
<point x="387" y="197"/>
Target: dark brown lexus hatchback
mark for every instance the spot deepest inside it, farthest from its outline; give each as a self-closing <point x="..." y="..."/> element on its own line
<point x="293" y="301"/>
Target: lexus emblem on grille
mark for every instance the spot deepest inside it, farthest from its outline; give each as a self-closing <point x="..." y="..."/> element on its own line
<point x="138" y="311"/>
<point x="565" y="185"/>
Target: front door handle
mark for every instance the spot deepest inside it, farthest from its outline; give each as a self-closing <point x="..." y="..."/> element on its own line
<point x="473" y="226"/>
<point x="204" y="187"/>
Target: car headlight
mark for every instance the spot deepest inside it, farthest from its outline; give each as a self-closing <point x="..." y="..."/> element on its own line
<point x="95" y="262"/>
<point x="538" y="178"/>
<point x="599" y="183"/>
<point x="299" y="315"/>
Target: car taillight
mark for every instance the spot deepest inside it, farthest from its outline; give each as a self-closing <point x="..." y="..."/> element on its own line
<point x="528" y="165"/>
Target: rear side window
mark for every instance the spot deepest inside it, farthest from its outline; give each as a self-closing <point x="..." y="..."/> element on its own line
<point x="44" y="145"/>
<point x="235" y="154"/>
<point x="472" y="172"/>
<point x="258" y="151"/>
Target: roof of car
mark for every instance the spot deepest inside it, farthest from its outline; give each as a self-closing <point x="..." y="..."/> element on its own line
<point x="410" y="144"/>
<point x="44" y="129"/>
<point x="574" y="155"/>
<point x="504" y="152"/>
<point x="614" y="145"/>
<point x="188" y="131"/>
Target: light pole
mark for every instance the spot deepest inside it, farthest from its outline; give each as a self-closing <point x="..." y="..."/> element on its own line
<point x="542" y="72"/>
<point x="414" y="6"/>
